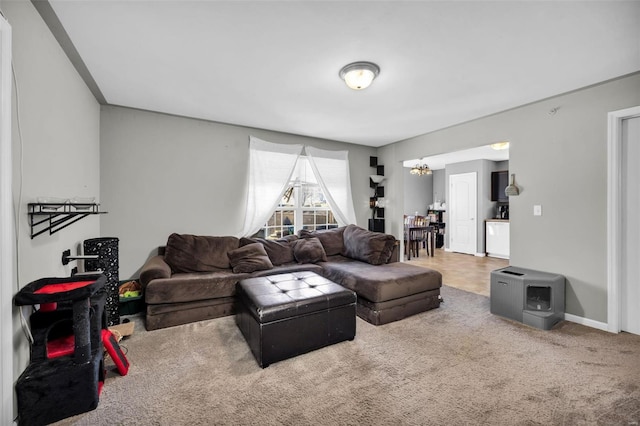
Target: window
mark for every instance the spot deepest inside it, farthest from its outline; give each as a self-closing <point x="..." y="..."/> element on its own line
<point x="303" y="206"/>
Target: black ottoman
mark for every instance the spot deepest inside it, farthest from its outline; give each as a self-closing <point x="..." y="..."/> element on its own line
<point x="285" y="315"/>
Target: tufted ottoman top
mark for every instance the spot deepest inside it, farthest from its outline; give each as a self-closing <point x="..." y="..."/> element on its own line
<point x="282" y="296"/>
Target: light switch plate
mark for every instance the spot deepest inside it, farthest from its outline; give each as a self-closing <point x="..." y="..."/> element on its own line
<point x="537" y="210"/>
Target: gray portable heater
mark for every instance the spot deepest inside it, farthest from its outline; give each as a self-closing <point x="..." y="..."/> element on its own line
<point x="532" y="297"/>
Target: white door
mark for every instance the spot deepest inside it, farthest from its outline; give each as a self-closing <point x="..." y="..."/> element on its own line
<point x="630" y="274"/>
<point x="463" y="228"/>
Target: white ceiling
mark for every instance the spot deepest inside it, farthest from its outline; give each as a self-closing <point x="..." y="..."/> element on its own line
<point x="275" y="64"/>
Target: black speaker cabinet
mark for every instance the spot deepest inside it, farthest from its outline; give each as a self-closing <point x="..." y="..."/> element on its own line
<point x="107" y="262"/>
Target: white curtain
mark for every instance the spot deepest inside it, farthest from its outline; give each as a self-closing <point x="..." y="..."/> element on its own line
<point x="270" y="169"/>
<point x="331" y="169"/>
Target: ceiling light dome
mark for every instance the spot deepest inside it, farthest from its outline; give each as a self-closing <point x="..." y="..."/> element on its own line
<point x="359" y="75"/>
<point x="500" y="145"/>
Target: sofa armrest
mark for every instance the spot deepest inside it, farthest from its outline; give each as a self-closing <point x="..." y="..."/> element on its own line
<point x="153" y="269"/>
<point x="395" y="254"/>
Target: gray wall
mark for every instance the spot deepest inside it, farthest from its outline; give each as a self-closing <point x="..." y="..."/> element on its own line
<point x="59" y="123"/>
<point x="439" y="186"/>
<point x="418" y="193"/>
<point x="560" y="162"/>
<point x="501" y="165"/>
<point x="164" y="174"/>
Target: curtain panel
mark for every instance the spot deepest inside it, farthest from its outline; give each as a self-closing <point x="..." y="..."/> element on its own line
<point x="270" y="168"/>
<point x="331" y="169"/>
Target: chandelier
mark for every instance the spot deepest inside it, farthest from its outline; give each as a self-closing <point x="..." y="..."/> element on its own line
<point x="420" y="170"/>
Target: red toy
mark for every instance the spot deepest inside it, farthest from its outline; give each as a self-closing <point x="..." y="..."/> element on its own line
<point x="114" y="350"/>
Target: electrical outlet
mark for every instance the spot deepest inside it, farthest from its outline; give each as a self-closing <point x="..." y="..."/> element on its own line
<point x="537" y="210"/>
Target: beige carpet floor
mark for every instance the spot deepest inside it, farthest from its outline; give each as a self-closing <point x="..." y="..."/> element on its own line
<point x="455" y="365"/>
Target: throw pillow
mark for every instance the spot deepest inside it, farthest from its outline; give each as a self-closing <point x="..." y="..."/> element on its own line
<point x="309" y="250"/>
<point x="279" y="251"/>
<point x="371" y="247"/>
<point x="332" y="239"/>
<point x="249" y="258"/>
<point x="194" y="253"/>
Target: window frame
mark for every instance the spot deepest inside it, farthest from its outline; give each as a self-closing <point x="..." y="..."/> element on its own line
<point x="299" y="211"/>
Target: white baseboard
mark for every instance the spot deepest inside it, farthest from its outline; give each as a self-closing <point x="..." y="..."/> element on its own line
<point x="447" y="249"/>
<point x="586" y="321"/>
<point x="498" y="256"/>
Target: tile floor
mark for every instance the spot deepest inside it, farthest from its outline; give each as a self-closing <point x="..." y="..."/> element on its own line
<point x="463" y="271"/>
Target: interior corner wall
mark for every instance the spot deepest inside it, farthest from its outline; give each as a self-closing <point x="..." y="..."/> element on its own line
<point x="163" y="174"/>
<point x="55" y="147"/>
<point x="418" y="193"/>
<point x="439" y="186"/>
<point x="560" y="162"/>
<point x="501" y="165"/>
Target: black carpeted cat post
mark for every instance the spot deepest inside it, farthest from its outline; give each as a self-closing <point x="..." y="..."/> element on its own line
<point x="66" y="371"/>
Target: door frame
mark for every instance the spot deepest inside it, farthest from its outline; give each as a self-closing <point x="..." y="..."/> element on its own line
<point x="614" y="214"/>
<point x="7" y="247"/>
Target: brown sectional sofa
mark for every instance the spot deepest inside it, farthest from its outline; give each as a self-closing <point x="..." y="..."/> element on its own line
<point x="194" y="278"/>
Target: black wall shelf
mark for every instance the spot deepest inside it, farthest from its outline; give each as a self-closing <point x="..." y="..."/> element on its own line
<point x="376" y="223"/>
<point x="53" y="217"/>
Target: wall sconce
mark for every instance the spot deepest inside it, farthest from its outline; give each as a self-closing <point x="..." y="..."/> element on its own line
<point x="375" y="181"/>
<point x="512" y="189"/>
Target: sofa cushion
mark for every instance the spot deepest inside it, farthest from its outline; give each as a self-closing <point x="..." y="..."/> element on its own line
<point x="288" y="238"/>
<point x="191" y="286"/>
<point x="154" y="268"/>
<point x="309" y="250"/>
<point x="279" y="251"/>
<point x="194" y="253"/>
<point x="288" y="268"/>
<point x="380" y="283"/>
<point x="172" y="314"/>
<point x="371" y="247"/>
<point x="249" y="258"/>
<point x="332" y="239"/>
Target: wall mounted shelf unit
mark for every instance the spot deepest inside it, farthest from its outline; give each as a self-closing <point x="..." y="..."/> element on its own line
<point x="52" y="217"/>
<point x="376" y="223"/>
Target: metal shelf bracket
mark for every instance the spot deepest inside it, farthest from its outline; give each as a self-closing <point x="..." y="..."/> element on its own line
<point x="51" y="217"/>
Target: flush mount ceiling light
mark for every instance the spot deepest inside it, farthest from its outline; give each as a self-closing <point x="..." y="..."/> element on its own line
<point x="500" y="145"/>
<point x="359" y="75"/>
<point x="420" y="170"/>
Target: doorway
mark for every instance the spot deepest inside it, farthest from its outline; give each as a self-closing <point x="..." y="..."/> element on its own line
<point x="623" y="227"/>
<point x="630" y="286"/>
<point x="463" y="205"/>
